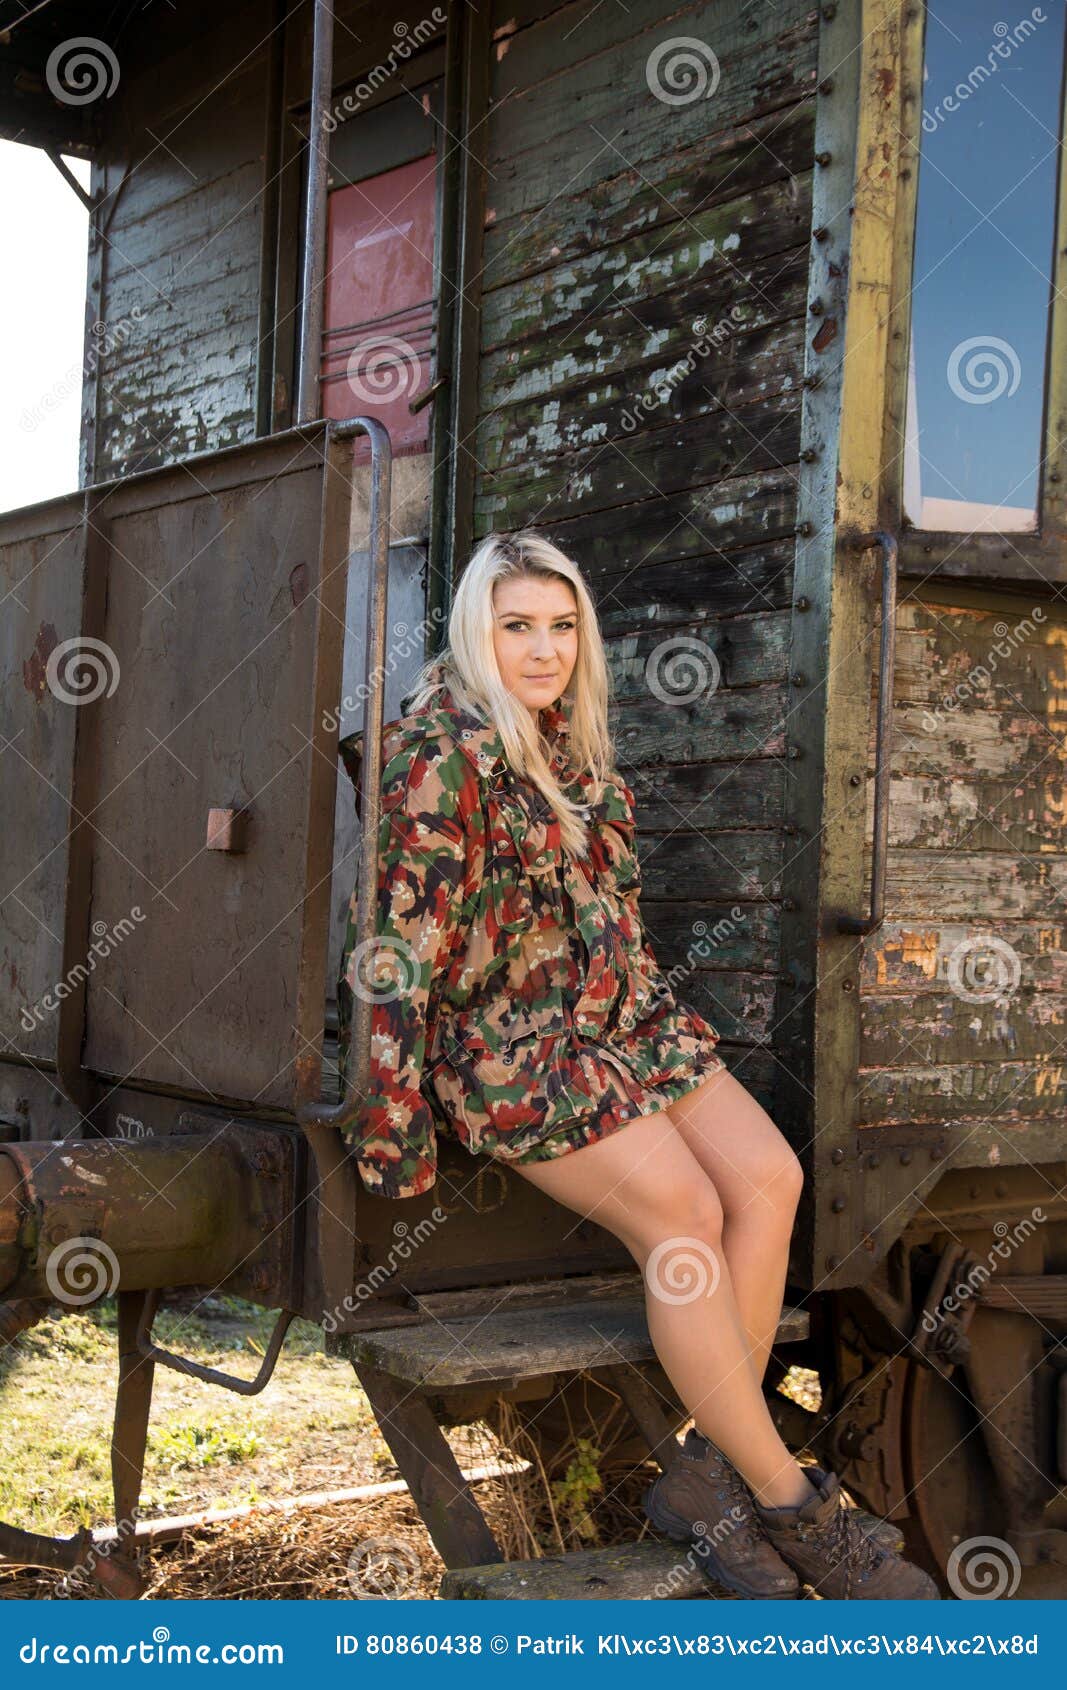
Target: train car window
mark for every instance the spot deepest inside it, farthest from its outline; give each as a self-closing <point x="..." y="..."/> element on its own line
<point x="983" y="267"/>
<point x="379" y="297"/>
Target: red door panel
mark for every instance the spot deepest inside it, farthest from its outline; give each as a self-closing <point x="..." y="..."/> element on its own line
<point x="379" y="301"/>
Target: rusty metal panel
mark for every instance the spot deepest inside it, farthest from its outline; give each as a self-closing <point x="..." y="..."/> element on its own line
<point x="221" y="636"/>
<point x="41" y="563"/>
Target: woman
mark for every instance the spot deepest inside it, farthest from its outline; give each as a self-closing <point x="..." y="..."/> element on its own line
<point x="516" y="1000"/>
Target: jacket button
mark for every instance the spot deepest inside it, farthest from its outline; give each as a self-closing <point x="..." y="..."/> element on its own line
<point x="507" y="1058"/>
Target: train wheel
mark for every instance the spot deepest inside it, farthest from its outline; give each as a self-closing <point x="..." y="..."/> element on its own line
<point x="952" y="1489"/>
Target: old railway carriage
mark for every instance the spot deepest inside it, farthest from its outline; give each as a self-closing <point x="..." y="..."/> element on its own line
<point x="759" y="310"/>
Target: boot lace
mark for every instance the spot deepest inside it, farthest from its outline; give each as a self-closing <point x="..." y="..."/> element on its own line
<point x="731" y="1489"/>
<point x="846" y="1545"/>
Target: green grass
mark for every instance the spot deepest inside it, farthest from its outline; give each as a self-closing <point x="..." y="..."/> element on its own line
<point x="310" y="1429"/>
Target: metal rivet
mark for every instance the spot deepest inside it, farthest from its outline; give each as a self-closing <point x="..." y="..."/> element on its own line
<point x="837" y="1205"/>
<point x="837" y="1156"/>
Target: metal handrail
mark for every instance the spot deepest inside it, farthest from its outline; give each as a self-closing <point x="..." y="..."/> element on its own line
<point x="345" y="1113"/>
<point x="886" y="542"/>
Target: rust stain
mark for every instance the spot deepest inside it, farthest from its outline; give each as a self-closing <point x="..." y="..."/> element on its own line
<point x="885" y="82"/>
<point x="34" y="670"/>
<point x="298" y="583"/>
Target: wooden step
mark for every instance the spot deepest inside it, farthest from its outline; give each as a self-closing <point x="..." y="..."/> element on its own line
<point x="649" y="1571"/>
<point x="507" y="1345"/>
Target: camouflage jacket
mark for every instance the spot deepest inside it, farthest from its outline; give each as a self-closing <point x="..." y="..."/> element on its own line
<point x="499" y="962"/>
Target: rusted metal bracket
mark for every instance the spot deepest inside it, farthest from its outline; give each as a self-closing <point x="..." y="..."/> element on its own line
<point x="211" y="1375"/>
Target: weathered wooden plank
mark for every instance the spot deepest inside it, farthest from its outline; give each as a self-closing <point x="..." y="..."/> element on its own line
<point x="1003" y="1095"/>
<point x="573" y="101"/>
<point x="973" y="885"/>
<point x="717" y="246"/>
<point x="739" y="1006"/>
<point x="183" y="244"/>
<point x="955" y="659"/>
<point x="988" y="741"/>
<point x="689" y="452"/>
<point x="747" y="650"/>
<point x="729" y="865"/>
<point x="1005" y="815"/>
<point x="724" y="936"/>
<point x="520" y="1344"/>
<point x="737" y="724"/>
<point x="940" y="1027"/>
<point x="634" y="1572"/>
<point x="913" y="957"/>
<point x="610" y="390"/>
<point x="743" y="511"/>
<point x="666" y="595"/>
<point x="621" y="203"/>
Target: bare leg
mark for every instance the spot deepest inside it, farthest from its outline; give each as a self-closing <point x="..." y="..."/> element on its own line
<point x="644" y="1184"/>
<point x="759" y="1182"/>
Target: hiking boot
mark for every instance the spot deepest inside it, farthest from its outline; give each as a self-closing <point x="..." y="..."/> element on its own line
<point x="824" y="1542"/>
<point x="702" y="1500"/>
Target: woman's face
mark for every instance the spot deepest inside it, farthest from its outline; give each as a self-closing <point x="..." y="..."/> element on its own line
<point x="535" y="634"/>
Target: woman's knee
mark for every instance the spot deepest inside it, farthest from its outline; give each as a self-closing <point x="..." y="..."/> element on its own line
<point x="676" y="1212"/>
<point x="777" y="1179"/>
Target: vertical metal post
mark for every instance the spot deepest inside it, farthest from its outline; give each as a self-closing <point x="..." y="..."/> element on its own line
<point x="314" y="254"/>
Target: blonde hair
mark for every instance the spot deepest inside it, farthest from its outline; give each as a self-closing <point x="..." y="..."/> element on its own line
<point x="467" y="665"/>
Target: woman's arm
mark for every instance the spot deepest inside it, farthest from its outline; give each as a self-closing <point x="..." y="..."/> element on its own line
<point x="421" y="871"/>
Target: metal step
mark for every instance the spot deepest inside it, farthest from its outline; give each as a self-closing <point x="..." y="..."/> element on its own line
<point x="649" y="1571"/>
<point x="507" y="1345"/>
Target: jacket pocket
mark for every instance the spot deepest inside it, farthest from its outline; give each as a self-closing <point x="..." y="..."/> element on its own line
<point x="520" y="854"/>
